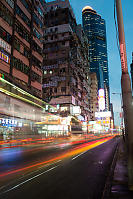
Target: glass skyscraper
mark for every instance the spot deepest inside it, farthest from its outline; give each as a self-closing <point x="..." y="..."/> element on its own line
<point x="95" y="29"/>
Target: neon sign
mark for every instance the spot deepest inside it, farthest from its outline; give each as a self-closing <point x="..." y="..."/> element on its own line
<point x="4" y="57"/>
<point x="5" y="45"/>
<point x="1" y="76"/>
<point x="8" y="122"/>
<point x="101" y="99"/>
<point x="103" y="114"/>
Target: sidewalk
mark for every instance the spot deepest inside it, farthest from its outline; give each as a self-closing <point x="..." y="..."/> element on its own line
<point x="119" y="181"/>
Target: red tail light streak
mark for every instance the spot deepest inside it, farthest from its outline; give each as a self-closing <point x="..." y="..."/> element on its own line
<point x="72" y="152"/>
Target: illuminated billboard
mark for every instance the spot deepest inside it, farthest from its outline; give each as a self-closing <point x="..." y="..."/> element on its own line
<point x="5" y="45"/>
<point x="101" y="99"/>
<point x="4" y="57"/>
<point x="103" y="114"/>
<point x="75" y="110"/>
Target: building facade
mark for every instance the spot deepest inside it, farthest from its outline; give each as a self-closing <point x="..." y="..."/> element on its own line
<point x="21" y="29"/>
<point x="66" y="79"/>
<point x="21" y="24"/>
<point x="94" y="95"/>
<point x="95" y="29"/>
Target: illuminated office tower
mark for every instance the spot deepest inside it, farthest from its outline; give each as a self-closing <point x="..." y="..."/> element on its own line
<point x="95" y="29"/>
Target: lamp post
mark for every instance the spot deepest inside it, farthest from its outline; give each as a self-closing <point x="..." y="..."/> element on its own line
<point x="126" y="94"/>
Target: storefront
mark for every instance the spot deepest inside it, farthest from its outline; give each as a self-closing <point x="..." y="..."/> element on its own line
<point x="54" y="126"/>
<point x="12" y="127"/>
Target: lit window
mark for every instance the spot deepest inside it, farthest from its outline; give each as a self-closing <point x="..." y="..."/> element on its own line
<point x="44" y="72"/>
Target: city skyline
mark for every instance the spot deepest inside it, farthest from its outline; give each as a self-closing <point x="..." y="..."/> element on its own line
<point x="106" y="10"/>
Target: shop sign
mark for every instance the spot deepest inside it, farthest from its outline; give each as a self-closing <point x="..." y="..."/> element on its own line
<point x="101" y="99"/>
<point x="75" y="110"/>
<point x="5" y="46"/>
<point x="4" y="57"/>
<point x="103" y="114"/>
<point x="1" y="76"/>
<point x="8" y="122"/>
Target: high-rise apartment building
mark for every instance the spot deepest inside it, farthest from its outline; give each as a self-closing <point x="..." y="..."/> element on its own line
<point x="95" y="29"/>
<point x="66" y="71"/>
<point x="21" y="47"/>
<point x="21" y="24"/>
<point x="94" y="95"/>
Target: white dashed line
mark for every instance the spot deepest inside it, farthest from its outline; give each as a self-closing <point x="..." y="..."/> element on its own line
<point x="29" y="180"/>
<point x="78" y="155"/>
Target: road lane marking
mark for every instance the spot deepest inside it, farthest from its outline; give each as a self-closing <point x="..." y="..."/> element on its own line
<point x="72" y="152"/>
<point x="47" y="165"/>
<point x="26" y="175"/>
<point x="18" y="185"/>
<point x="78" y="155"/>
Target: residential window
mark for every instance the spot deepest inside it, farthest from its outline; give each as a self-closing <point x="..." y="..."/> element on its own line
<point x="36" y="62"/>
<point x="46" y="38"/>
<point x="63" y="89"/>
<point x="10" y="3"/>
<point x="24" y="2"/>
<point x="45" y="72"/>
<point x="51" y="90"/>
<point x="63" y="52"/>
<point x="55" y="90"/>
<point x="6" y="14"/>
<point x="22" y="31"/>
<point x="56" y="36"/>
<point x="26" y="52"/>
<point x="19" y="65"/>
<point x="17" y="45"/>
<point x="62" y="70"/>
<point x="42" y="2"/>
<point x="36" y="33"/>
<point x="5" y="35"/>
<point x="37" y="21"/>
<point x="40" y="11"/>
<point x="63" y="43"/>
<point x="36" y="47"/>
<point x="56" y="29"/>
<point x="22" y="15"/>
<point x="35" y="77"/>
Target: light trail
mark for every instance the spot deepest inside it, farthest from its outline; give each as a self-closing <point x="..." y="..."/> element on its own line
<point x="80" y="149"/>
<point x="18" y="185"/>
<point x="78" y="155"/>
<point x="25" y="140"/>
<point x="22" y="145"/>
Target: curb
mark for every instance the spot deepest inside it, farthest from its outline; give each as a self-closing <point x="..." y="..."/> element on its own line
<point x="108" y="183"/>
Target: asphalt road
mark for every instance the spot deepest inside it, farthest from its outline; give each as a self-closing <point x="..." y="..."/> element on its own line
<point x="80" y="176"/>
<point x="23" y="155"/>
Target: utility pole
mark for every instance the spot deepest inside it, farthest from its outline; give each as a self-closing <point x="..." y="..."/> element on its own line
<point x="126" y="94"/>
